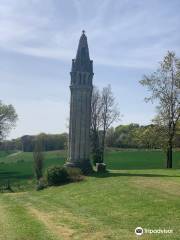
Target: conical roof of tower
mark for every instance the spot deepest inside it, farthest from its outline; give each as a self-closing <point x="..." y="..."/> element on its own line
<point x="83" y="50"/>
<point x="82" y="61"/>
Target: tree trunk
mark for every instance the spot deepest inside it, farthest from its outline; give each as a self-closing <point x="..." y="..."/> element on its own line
<point x="103" y="146"/>
<point x="169" y="156"/>
<point x="96" y="155"/>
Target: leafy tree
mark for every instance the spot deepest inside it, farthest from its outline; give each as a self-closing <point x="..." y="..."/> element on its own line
<point x="8" y="118"/>
<point x="164" y="85"/>
<point x="126" y="135"/>
<point x="147" y="137"/>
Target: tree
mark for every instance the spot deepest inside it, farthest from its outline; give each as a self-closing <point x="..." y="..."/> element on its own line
<point x="147" y="137"/>
<point x="8" y="118"/>
<point x="96" y="108"/>
<point x="104" y="113"/>
<point x="177" y="137"/>
<point x="111" y="137"/>
<point x="38" y="158"/>
<point x="126" y="137"/>
<point x="164" y="85"/>
<point x="109" y="113"/>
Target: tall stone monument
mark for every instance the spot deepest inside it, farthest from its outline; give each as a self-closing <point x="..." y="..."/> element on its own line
<point x="80" y="108"/>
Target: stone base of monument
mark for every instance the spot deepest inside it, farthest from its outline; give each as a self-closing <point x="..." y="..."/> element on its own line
<point x="101" y="167"/>
<point x="85" y="167"/>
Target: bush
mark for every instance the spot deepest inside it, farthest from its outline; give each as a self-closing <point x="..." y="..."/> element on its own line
<point x="75" y="174"/>
<point x="57" y="175"/>
<point x="41" y="184"/>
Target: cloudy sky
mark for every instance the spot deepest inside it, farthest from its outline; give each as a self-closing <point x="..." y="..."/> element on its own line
<point x="38" y="39"/>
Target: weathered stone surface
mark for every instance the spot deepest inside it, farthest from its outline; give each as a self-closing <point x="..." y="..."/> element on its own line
<point x="80" y="108"/>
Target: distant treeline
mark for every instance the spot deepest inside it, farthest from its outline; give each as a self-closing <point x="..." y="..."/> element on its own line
<point x="27" y="143"/>
<point x="137" y="136"/>
<point x="123" y="136"/>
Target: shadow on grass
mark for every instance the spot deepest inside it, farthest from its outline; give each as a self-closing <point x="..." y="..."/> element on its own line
<point x="140" y="167"/>
<point x="117" y="174"/>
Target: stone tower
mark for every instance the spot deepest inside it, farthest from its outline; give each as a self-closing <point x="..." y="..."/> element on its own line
<point x="80" y="108"/>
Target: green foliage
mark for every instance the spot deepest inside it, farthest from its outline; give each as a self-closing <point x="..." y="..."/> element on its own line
<point x="75" y="174"/>
<point x="96" y="151"/>
<point x="136" y="136"/>
<point x="125" y="135"/>
<point x="164" y="88"/>
<point x="57" y="175"/>
<point x="8" y="118"/>
<point x="96" y="156"/>
<point x="50" y="142"/>
<point x="6" y="187"/>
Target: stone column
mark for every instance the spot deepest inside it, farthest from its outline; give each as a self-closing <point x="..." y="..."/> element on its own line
<point x="80" y="108"/>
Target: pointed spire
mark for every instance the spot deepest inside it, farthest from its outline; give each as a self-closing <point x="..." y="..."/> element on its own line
<point x="82" y="61"/>
<point x="83" y="50"/>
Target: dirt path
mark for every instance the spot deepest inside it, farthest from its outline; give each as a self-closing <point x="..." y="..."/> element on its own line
<point x="47" y="220"/>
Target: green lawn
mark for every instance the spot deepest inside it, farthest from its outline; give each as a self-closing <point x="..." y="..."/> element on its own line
<point x="140" y="159"/>
<point x="18" y="167"/>
<point x="137" y="191"/>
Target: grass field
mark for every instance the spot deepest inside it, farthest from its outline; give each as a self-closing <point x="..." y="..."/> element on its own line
<point x="137" y="191"/>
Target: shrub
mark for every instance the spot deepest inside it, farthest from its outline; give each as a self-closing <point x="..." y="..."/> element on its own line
<point x="57" y="175"/>
<point x="6" y="187"/>
<point x="41" y="184"/>
<point x="75" y="174"/>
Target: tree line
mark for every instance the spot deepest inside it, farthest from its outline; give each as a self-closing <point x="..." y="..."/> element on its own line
<point x="123" y="136"/>
<point x="138" y="136"/>
<point x="27" y="143"/>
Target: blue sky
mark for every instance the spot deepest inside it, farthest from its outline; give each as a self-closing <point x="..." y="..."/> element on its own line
<point x="38" y="39"/>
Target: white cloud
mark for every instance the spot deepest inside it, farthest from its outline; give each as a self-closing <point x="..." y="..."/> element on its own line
<point x="134" y="37"/>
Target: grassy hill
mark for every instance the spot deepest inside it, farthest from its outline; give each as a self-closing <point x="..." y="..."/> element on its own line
<point x="18" y="166"/>
<point x="108" y="206"/>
